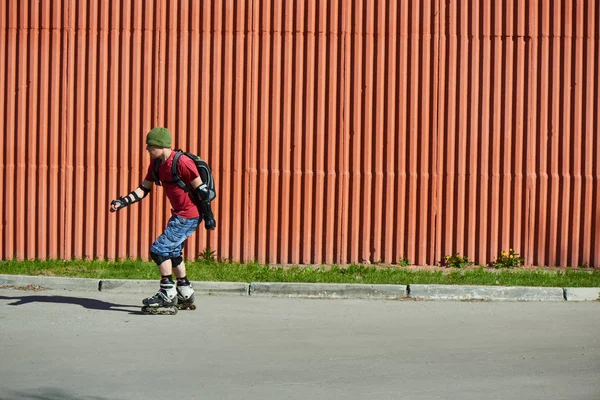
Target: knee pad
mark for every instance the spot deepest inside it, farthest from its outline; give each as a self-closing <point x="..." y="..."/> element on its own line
<point x="175" y="261"/>
<point x="158" y="259"/>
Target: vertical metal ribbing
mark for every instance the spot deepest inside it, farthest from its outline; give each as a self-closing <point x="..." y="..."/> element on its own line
<point x="338" y="132"/>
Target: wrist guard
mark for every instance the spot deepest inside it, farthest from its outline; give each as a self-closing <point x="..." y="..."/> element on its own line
<point x="123" y="202"/>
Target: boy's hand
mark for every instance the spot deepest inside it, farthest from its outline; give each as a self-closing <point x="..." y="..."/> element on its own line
<point x="210" y="224"/>
<point x="116" y="205"/>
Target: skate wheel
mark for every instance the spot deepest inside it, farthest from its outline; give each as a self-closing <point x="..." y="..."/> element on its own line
<point x="185" y="306"/>
<point x="159" y="311"/>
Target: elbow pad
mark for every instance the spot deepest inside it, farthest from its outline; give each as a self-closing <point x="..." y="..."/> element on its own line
<point x="202" y="192"/>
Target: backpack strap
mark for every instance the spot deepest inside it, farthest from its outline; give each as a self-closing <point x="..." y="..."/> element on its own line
<point x="155" y="178"/>
<point x="176" y="178"/>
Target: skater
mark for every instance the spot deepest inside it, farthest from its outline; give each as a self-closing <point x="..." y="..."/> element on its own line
<point x="189" y="208"/>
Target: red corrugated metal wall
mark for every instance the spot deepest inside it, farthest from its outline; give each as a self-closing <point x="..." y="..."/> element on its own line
<point x="338" y="131"/>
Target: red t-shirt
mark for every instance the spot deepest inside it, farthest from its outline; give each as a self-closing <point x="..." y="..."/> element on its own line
<point x="181" y="201"/>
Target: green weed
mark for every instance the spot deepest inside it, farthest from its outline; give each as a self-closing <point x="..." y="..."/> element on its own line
<point x="508" y="259"/>
<point x="404" y="262"/>
<point x="455" y="261"/>
<point x="207" y="255"/>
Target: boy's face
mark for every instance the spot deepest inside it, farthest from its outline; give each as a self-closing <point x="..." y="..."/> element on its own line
<point x="154" y="151"/>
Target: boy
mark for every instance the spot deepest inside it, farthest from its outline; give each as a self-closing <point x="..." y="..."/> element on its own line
<point x="188" y="209"/>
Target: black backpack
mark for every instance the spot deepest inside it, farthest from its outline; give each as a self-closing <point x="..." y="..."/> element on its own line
<point x="203" y="170"/>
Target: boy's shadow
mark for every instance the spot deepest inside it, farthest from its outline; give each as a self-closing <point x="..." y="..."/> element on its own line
<point x="90" y="304"/>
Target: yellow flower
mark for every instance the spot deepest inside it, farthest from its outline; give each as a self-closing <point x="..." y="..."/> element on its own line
<point x="504" y="253"/>
<point x="511" y="256"/>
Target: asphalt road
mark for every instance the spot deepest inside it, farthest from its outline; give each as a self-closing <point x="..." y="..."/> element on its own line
<point x="94" y="345"/>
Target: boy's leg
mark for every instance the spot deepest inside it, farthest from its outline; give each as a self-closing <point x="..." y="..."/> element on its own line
<point x="166" y="268"/>
<point x="166" y="297"/>
<point x="179" y="270"/>
<point x="166" y="253"/>
<point x="185" y="292"/>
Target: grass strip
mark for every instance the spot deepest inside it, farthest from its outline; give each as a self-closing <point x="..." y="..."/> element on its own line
<point x="253" y="272"/>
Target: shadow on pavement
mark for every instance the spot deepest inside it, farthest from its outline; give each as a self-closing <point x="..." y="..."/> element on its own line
<point x="90" y="304"/>
<point x="44" y="394"/>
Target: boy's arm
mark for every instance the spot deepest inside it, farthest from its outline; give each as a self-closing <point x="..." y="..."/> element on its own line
<point x="201" y="191"/>
<point x="133" y="197"/>
<point x="196" y="182"/>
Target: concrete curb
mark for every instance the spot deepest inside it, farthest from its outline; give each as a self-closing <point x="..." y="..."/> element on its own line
<point x="119" y="285"/>
<point x="582" y="294"/>
<point x="124" y="285"/>
<point x="328" y="290"/>
<point x="222" y="288"/>
<point x="315" y="290"/>
<point x="204" y="288"/>
<point x="82" y="284"/>
<point x="491" y="293"/>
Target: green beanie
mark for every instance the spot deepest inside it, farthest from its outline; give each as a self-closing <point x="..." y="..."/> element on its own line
<point x="159" y="137"/>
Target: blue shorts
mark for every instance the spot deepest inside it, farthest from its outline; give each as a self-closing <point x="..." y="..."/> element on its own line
<point x="170" y="243"/>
